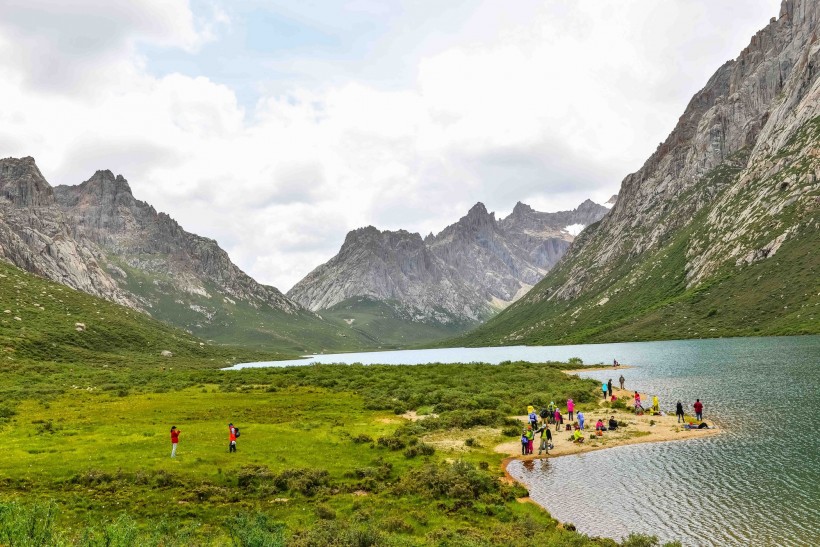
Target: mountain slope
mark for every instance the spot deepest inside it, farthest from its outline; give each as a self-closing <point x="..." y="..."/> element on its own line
<point x="97" y="238"/>
<point x="716" y="234"/>
<point x="445" y="283"/>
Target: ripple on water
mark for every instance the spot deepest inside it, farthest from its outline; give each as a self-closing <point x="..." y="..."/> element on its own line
<point x="758" y="483"/>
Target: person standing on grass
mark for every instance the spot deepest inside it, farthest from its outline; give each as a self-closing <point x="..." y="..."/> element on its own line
<point x="570" y="408"/>
<point x="524" y="443"/>
<point x="679" y="412"/>
<point x="174" y="440"/>
<point x="622" y="380"/>
<point x="231" y="438"/>
<point x="581" y="420"/>
<point x="698" y="410"/>
<point x="603" y="388"/>
<point x="638" y="406"/>
<point x="609" y="387"/>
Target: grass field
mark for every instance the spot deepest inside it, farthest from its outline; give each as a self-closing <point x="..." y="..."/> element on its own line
<point x="324" y="458"/>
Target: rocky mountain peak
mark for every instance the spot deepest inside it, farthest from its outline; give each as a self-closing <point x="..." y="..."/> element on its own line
<point x="22" y="183"/>
<point x="521" y="209"/>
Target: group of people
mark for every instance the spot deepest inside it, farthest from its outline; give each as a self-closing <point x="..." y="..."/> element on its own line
<point x="656" y="408"/>
<point x="233" y="433"/>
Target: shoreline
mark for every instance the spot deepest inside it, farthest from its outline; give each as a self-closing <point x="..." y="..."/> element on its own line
<point x="598" y="368"/>
<point x="639" y="429"/>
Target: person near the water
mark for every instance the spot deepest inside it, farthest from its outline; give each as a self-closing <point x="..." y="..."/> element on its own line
<point x="581" y="420"/>
<point x="570" y="409"/>
<point x="544" y="414"/>
<point x="546" y="438"/>
<point x="231" y="438"/>
<point x="577" y="436"/>
<point x="679" y="411"/>
<point x="656" y="405"/>
<point x="603" y="388"/>
<point x="698" y="409"/>
<point x="609" y="387"/>
<point x="174" y="440"/>
<point x="524" y="442"/>
<point x="638" y="402"/>
<point x="613" y="423"/>
<point x="622" y="380"/>
<point x="615" y="363"/>
<point x="530" y="439"/>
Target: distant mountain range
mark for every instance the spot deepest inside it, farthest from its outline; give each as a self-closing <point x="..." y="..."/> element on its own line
<point x="456" y="278"/>
<point x="97" y="238"/>
<point x="718" y="233"/>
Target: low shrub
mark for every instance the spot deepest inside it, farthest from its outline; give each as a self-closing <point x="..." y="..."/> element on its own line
<point x="419" y="449"/>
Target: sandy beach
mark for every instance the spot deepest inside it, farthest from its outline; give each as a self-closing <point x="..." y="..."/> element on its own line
<point x="645" y="428"/>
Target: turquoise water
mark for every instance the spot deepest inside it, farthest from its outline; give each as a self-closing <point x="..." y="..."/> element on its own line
<point x="757" y="483"/>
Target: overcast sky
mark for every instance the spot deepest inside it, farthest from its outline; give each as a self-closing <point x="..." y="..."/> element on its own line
<point x="275" y="127"/>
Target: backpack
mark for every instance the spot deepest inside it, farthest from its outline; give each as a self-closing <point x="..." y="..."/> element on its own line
<point x="236" y="432"/>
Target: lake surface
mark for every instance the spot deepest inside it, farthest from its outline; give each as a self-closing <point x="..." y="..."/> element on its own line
<point x="757" y="483"/>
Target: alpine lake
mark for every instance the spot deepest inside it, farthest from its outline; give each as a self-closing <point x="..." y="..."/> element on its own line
<point x="756" y="483"/>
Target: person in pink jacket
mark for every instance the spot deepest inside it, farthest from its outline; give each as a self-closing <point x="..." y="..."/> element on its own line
<point x="570" y="408"/>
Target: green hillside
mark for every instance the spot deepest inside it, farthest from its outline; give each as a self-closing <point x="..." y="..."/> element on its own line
<point x="645" y="296"/>
<point x="381" y="324"/>
<point x="222" y="319"/>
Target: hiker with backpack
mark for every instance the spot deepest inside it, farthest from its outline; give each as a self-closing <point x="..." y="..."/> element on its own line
<point x="233" y="434"/>
<point x="533" y="417"/>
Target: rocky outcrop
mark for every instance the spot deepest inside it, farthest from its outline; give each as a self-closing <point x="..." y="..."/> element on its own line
<point x="465" y="273"/>
<point x="104" y="212"/>
<point x="35" y="236"/>
<point x="97" y="238"/>
<point x="734" y="181"/>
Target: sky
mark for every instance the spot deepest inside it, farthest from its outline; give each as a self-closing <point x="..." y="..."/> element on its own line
<point x="275" y="127"/>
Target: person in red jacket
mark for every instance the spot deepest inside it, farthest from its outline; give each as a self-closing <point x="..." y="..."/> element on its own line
<point x="698" y="409"/>
<point x="174" y="440"/>
<point x="231" y="438"/>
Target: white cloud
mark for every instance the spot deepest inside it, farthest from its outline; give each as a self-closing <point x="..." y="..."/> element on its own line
<point x="549" y="108"/>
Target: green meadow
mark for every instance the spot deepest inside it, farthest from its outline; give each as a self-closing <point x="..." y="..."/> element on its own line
<point x="325" y="455"/>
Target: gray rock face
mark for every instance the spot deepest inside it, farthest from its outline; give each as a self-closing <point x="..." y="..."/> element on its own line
<point x="103" y="211"/>
<point x="35" y="236"/>
<point x="739" y="170"/>
<point x="83" y="236"/>
<point x="472" y="268"/>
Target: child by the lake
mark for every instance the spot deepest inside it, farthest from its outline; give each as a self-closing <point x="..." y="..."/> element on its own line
<point x="530" y="439"/>
<point x="524" y="443"/>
